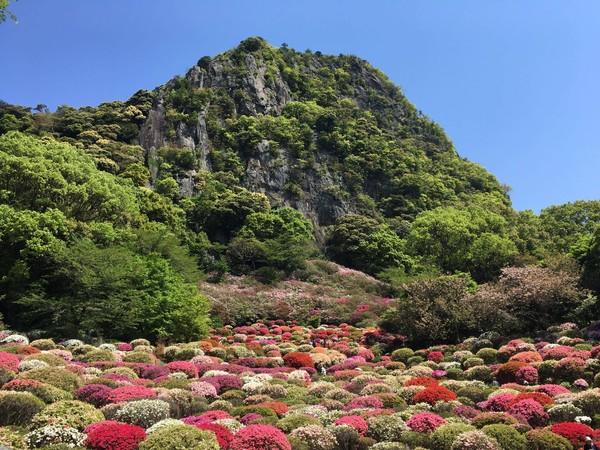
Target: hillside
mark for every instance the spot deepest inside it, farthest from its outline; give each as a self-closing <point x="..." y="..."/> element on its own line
<point x="259" y="167"/>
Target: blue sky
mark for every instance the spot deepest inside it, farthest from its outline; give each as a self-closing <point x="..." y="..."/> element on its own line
<point x="514" y="83"/>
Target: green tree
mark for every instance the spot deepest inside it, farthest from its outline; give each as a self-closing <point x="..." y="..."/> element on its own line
<point x="433" y="310"/>
<point x="365" y="244"/>
<point x="565" y="224"/>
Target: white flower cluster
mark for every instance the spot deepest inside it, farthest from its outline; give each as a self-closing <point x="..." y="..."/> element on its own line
<point x="214" y="373"/>
<point x="32" y="364"/>
<point x="144" y="413"/>
<point x="53" y="434"/>
<point x="15" y="339"/>
<point x="163" y="423"/>
<point x="72" y="343"/>
<point x="315" y="437"/>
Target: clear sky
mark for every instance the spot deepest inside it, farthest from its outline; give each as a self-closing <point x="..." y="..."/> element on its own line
<point x="515" y="83"/>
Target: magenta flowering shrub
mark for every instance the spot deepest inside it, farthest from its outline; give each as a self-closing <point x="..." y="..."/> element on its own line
<point x="527" y="375"/>
<point x="364" y="402"/>
<point x="356" y="422"/>
<point x="9" y="361"/>
<point x="552" y="389"/>
<point x="96" y="394"/>
<point x="499" y="402"/>
<point x="425" y="422"/>
<point x="126" y="393"/>
<point x="530" y="412"/>
<point x="260" y="437"/>
<point x="223" y="383"/>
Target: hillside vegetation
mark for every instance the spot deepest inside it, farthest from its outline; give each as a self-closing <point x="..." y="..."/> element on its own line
<point x="265" y="163"/>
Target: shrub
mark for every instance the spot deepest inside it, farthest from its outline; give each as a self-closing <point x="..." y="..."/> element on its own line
<point x="314" y="437"/>
<point x="297" y="360"/>
<point x="67" y="413"/>
<point x="544" y="439"/>
<point x="97" y="355"/>
<point x="111" y="435"/>
<point x="57" y="377"/>
<point x="507" y="437"/>
<point x="144" y="413"/>
<point x="434" y="394"/>
<point x="9" y="361"/>
<point x="139" y="357"/>
<point x="12" y="439"/>
<point x="260" y="437"/>
<point x="55" y="434"/>
<point x="443" y="437"/>
<point x="293" y="421"/>
<point x="425" y="422"/>
<point x="223" y="434"/>
<point x="356" y="422"/>
<point x="491" y="418"/>
<point x="47" y="393"/>
<point x="18" y="408"/>
<point x="475" y="440"/>
<point x="402" y="354"/>
<point x="96" y="394"/>
<point x="126" y="393"/>
<point x="178" y="437"/>
<point x="48" y="358"/>
<point x="529" y="411"/>
<point x="575" y="433"/>
<point x="507" y="372"/>
<point x="386" y="427"/>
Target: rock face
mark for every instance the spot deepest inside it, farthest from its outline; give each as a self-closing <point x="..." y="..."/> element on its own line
<point x="257" y="81"/>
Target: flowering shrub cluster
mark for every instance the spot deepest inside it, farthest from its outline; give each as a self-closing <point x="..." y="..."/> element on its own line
<point x="277" y="385"/>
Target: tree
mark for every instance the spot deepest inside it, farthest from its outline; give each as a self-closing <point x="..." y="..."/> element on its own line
<point x="433" y="310"/>
<point x="4" y="13"/>
<point x="365" y="244"/>
<point x="470" y="240"/>
<point x="565" y="224"/>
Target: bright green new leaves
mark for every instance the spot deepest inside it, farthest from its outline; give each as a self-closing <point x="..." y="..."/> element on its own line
<point x="567" y="223"/>
<point x="71" y="262"/>
<point x="462" y="240"/>
<point x="42" y="174"/>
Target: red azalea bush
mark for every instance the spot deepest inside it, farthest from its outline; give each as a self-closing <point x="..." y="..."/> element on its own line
<point x="435" y="356"/>
<point x="279" y="408"/>
<point x="434" y="394"/>
<point x="574" y="432"/>
<point x="126" y="393"/>
<point x="183" y="366"/>
<point x="507" y="372"/>
<point x="422" y="381"/>
<point x="356" y="422"/>
<point x="112" y="435"/>
<point x="297" y="360"/>
<point x="526" y="357"/>
<point x="539" y="397"/>
<point x="260" y="437"/>
<point x="425" y="422"/>
<point x="223" y="434"/>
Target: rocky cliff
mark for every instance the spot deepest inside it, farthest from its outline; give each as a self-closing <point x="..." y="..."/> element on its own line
<point x="325" y="135"/>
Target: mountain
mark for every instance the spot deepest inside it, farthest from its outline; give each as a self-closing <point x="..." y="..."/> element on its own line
<point x="327" y="135"/>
